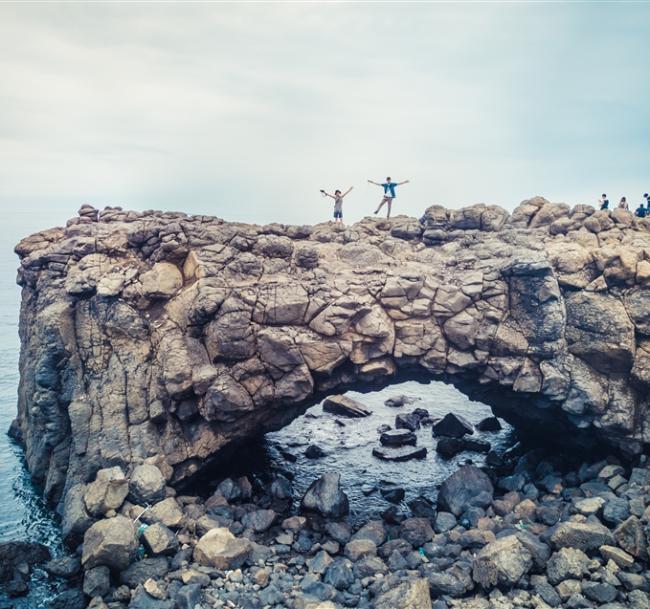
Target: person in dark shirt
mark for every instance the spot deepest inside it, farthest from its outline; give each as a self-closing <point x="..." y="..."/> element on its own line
<point x="641" y="211"/>
<point x="389" y="193"/>
<point x="604" y="202"/>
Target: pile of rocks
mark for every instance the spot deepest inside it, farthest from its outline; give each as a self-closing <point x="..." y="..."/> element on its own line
<point x="528" y="535"/>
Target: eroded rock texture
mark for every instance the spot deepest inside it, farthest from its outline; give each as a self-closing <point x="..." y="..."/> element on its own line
<point x="162" y="334"/>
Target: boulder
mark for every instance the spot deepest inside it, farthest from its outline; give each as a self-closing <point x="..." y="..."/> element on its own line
<point x="392" y="493"/>
<point x="356" y="549"/>
<point x="167" y="512"/>
<point x="410" y="421"/>
<point x="107" y="492"/>
<point x="162" y="281"/>
<point x="326" y="497"/>
<point x="14" y="553"/>
<point x="452" y="426"/>
<point x="404" y="453"/>
<point x="448" y="448"/>
<point x="412" y="594"/>
<point x="220" y="549"/>
<point x="160" y="540"/>
<point x="489" y="424"/>
<point x="630" y="535"/>
<point x="465" y="488"/>
<point x="417" y="531"/>
<point x="345" y="406"/>
<point x="97" y="581"/>
<point x="503" y="562"/>
<point x="567" y="563"/>
<point x="147" y="485"/>
<point x="398" y="437"/>
<point x="110" y="542"/>
<point x="76" y="520"/>
<point x="136" y="574"/>
<point x="259" y="520"/>
<point x="584" y="536"/>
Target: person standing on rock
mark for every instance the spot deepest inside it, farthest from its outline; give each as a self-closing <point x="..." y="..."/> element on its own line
<point x="623" y="204"/>
<point x="389" y="193"/>
<point x="604" y="202"/>
<point x="338" y="203"/>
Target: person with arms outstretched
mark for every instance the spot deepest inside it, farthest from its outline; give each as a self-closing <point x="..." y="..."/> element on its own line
<point x="389" y="193"/>
<point x="338" y="203"/>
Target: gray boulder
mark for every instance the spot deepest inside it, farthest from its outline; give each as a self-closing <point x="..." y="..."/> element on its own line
<point x="76" y="520"/>
<point x="14" y="553"/>
<point x="159" y="540"/>
<point x="109" y="542"/>
<point x="326" y="497"/>
<point x="567" y="563"/>
<point x="107" y="492"/>
<point x="581" y="535"/>
<point x="412" y="594"/>
<point x="465" y="488"/>
<point x="502" y="562"/>
<point x="147" y="485"/>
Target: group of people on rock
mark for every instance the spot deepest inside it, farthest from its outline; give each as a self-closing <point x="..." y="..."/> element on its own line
<point x="389" y="194"/>
<point x="641" y="212"/>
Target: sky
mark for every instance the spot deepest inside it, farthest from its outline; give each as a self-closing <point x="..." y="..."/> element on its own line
<point x="246" y="111"/>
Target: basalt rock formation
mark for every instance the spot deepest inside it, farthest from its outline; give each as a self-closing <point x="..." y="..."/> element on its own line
<point x="170" y="337"/>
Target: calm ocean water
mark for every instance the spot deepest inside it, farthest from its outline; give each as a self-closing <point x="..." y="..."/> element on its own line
<point x="23" y="514"/>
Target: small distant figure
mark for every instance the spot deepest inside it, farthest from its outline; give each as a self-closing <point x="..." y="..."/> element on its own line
<point x="604" y="201"/>
<point x="623" y="204"/>
<point x="389" y="193"/>
<point x="641" y="211"/>
<point x="338" y="203"/>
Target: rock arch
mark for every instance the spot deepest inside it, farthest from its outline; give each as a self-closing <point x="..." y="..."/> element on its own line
<point x="171" y="337"/>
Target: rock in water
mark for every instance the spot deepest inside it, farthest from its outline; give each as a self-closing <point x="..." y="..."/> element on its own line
<point x="314" y="452"/>
<point x="449" y="447"/>
<point x="109" y="542"/>
<point x="326" y="497"/>
<point x="399" y="454"/>
<point x="502" y="562"/>
<point x="398" y="437"/>
<point x="468" y="487"/>
<point x="408" y="421"/>
<point x="399" y="400"/>
<point x="13" y="553"/>
<point x="452" y="426"/>
<point x="345" y="406"/>
<point x="489" y="424"/>
<point x="413" y="594"/>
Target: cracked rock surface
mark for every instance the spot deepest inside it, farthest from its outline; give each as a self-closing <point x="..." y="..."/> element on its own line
<point x="170" y="338"/>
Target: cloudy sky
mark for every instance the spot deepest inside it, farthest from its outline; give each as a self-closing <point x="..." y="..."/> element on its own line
<point x="245" y="111"/>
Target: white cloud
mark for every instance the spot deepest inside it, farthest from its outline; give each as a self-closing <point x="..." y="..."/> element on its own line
<point x="245" y="111"/>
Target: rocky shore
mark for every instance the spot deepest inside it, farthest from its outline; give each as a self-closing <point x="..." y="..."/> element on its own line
<point x="526" y="532"/>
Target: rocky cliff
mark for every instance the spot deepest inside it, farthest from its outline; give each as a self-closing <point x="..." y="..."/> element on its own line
<point x="171" y="337"/>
